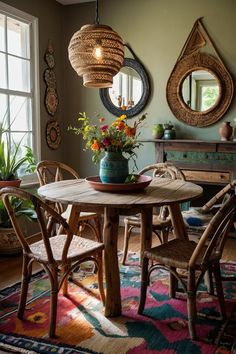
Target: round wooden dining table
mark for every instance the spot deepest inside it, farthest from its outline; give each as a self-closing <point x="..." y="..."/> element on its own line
<point x="83" y="197"/>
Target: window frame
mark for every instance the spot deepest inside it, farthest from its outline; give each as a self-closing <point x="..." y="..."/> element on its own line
<point x="32" y="21"/>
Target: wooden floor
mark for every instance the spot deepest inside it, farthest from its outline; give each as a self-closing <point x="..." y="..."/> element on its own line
<point x="11" y="265"/>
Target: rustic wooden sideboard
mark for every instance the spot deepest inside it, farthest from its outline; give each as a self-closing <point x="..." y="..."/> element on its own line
<point x="204" y="162"/>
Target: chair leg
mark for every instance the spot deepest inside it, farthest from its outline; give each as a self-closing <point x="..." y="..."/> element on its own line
<point x="128" y="230"/>
<point x="173" y="284"/>
<point x="191" y="304"/>
<point x="65" y="282"/>
<point x="53" y="304"/>
<point x="219" y="289"/>
<point x="26" y="275"/>
<point x="209" y="281"/>
<point x="100" y="278"/>
<point x="144" y="284"/>
<point x="165" y="234"/>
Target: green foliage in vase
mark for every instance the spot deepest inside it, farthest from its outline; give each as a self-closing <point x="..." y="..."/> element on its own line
<point x="119" y="136"/>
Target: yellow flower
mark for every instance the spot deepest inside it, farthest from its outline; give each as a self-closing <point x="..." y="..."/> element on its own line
<point x="86" y="129"/>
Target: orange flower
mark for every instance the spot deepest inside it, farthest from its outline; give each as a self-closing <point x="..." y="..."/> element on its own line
<point x="101" y="120"/>
<point x="120" y="125"/>
<point x="129" y="131"/>
<point x="95" y="146"/>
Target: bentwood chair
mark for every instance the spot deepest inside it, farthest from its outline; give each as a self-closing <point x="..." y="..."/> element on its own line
<point x="188" y="261"/>
<point x="197" y="218"/>
<point x="52" y="171"/>
<point x="58" y="255"/>
<point x="161" y="222"/>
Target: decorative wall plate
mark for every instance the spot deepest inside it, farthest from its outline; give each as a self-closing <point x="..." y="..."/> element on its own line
<point x="49" y="59"/>
<point x="50" y="78"/>
<point x="51" y="101"/>
<point x="53" y="134"/>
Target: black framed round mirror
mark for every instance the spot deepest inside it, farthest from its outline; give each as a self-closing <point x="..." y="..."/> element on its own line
<point x="130" y="90"/>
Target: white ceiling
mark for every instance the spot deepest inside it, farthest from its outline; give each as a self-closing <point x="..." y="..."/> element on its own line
<point x="70" y="2"/>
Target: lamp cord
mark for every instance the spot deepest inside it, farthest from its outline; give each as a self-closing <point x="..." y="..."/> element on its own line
<point x="97" y="16"/>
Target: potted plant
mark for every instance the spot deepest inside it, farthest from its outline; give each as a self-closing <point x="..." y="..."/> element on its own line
<point x="9" y="243"/>
<point x="10" y="164"/>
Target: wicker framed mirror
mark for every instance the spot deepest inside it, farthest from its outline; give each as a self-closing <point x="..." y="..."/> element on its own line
<point x="130" y="91"/>
<point x="200" y="88"/>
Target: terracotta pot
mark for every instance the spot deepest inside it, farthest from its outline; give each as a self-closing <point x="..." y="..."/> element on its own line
<point x="225" y="131"/>
<point x="9" y="243"/>
<point x="13" y="183"/>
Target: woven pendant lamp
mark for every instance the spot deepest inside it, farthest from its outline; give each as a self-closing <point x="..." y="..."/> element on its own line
<point x="96" y="52"/>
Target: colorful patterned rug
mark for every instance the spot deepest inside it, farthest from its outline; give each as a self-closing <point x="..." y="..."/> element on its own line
<point x="82" y="327"/>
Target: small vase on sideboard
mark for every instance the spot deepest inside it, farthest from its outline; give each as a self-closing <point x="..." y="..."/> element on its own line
<point x="225" y="131"/>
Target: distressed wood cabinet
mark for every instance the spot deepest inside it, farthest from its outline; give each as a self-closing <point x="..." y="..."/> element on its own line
<point x="204" y="162"/>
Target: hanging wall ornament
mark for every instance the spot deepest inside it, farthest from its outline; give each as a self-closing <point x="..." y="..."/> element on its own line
<point x="50" y="78"/>
<point x="53" y="134"/>
<point x="51" y="97"/>
<point x="200" y="88"/>
<point x="51" y="101"/>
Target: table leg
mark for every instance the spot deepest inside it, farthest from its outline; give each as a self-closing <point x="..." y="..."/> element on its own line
<point x="110" y="236"/>
<point x="177" y="221"/>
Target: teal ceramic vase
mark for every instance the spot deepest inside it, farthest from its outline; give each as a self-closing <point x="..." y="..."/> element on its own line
<point x="113" y="168"/>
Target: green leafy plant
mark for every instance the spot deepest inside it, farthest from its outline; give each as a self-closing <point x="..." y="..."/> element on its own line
<point x="21" y="209"/>
<point x="10" y="164"/>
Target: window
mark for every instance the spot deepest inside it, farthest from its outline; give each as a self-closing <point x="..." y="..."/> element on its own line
<point x="19" y="84"/>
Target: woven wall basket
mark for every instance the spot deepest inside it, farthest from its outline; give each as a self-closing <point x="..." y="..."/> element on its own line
<point x="96" y="72"/>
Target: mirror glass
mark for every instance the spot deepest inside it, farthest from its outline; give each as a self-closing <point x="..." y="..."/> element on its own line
<point x="130" y="90"/>
<point x="200" y="90"/>
<point x="127" y="88"/>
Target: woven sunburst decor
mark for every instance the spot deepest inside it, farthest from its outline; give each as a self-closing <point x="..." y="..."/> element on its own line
<point x="96" y="52"/>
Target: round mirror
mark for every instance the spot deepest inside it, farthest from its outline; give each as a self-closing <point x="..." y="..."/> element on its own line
<point x="129" y="92"/>
<point x="200" y="90"/>
<point x="196" y="101"/>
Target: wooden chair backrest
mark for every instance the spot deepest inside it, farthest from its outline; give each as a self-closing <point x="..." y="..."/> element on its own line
<point x="40" y="208"/>
<point x="49" y="171"/>
<point x="52" y="171"/>
<point x="163" y="170"/>
<point x="211" y="244"/>
<point x="207" y="206"/>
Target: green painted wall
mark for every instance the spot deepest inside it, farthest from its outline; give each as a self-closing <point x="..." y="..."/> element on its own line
<point x="156" y="31"/>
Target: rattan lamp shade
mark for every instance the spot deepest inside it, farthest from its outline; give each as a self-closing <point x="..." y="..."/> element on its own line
<point x="96" y="72"/>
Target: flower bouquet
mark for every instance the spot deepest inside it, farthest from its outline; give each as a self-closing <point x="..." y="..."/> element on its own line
<point x="114" y="139"/>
